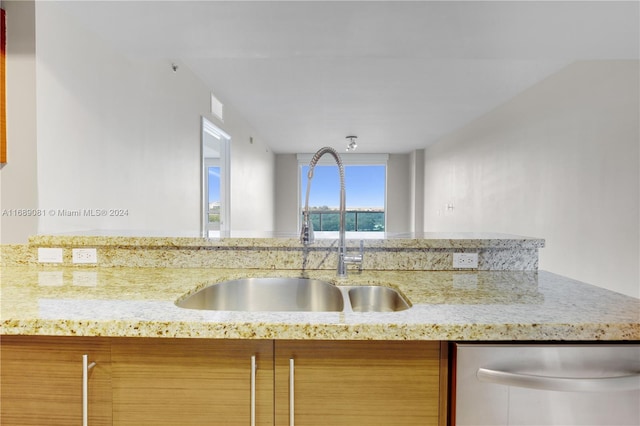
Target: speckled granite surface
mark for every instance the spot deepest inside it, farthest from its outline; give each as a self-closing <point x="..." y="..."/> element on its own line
<point x="446" y="305"/>
<point x="424" y="240"/>
<point x="432" y="251"/>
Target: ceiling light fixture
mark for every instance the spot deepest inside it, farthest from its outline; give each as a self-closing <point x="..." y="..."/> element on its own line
<point x="352" y="143"/>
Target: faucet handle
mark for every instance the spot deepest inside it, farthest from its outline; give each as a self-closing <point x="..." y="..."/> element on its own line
<point x="306" y="234"/>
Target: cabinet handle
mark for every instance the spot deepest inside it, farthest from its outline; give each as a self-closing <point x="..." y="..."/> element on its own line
<point x="253" y="390"/>
<point x="291" y="393"/>
<point x="86" y="366"/>
<point x="567" y="384"/>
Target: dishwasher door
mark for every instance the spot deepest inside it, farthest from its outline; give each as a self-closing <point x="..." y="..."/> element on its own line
<point x="531" y="384"/>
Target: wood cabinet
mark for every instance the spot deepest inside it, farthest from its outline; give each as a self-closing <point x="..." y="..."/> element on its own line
<point x="195" y="382"/>
<point x="161" y="381"/>
<point x="41" y="381"/>
<point x="357" y="383"/>
<point x="191" y="382"/>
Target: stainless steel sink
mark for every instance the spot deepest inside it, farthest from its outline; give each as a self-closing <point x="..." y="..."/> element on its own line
<point x="267" y="294"/>
<point x="293" y="294"/>
<point x="376" y="299"/>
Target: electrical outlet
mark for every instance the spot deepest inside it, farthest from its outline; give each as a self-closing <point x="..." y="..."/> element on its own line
<point x="84" y="255"/>
<point x="49" y="255"/>
<point x="465" y="260"/>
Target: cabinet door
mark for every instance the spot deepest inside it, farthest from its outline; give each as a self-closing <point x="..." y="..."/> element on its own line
<point x="191" y="382"/>
<point x="41" y="380"/>
<point x="357" y="383"/>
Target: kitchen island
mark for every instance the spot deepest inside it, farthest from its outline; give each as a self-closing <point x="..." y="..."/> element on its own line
<point x="152" y="360"/>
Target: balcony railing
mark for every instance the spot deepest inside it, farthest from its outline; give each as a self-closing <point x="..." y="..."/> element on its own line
<point x="355" y="220"/>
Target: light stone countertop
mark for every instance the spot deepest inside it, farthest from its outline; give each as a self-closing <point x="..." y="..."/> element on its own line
<point x="374" y="240"/>
<point x="446" y="305"/>
<point x="429" y="252"/>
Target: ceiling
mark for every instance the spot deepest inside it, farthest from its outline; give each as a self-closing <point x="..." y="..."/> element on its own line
<point x="399" y="75"/>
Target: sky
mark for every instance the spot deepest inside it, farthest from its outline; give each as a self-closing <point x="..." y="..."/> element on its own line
<point x="365" y="186"/>
<point x="214" y="184"/>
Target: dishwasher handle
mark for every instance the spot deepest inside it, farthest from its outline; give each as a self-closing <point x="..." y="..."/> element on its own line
<point x="566" y="384"/>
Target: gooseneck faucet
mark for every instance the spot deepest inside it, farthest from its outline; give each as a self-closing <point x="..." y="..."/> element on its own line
<point x="306" y="235"/>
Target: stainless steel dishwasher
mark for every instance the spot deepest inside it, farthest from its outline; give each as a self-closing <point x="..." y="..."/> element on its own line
<point x="539" y="384"/>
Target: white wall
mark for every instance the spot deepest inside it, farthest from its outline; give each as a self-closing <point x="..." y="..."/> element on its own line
<point x="124" y="133"/>
<point x="560" y="161"/>
<point x="417" y="191"/>
<point x="18" y="177"/>
<point x="399" y="194"/>
<point x="287" y="189"/>
<point x="252" y="179"/>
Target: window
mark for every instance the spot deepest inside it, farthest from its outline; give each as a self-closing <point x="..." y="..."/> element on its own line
<point x="213" y="194"/>
<point x="365" y="185"/>
<point x="215" y="180"/>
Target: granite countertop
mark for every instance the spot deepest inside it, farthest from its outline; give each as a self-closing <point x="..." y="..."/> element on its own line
<point x="373" y="240"/>
<point x="446" y="305"/>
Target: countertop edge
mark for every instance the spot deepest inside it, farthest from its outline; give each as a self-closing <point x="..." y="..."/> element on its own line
<point x="276" y="331"/>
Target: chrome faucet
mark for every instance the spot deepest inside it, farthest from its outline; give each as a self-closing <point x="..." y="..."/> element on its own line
<point x="306" y="234"/>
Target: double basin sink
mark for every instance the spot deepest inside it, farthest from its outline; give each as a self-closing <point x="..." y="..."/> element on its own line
<point x="293" y="294"/>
